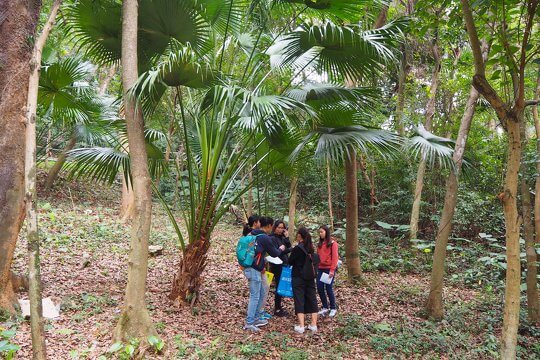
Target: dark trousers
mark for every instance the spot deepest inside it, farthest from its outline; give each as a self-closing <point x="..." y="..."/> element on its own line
<point x="305" y="296"/>
<point x="326" y="289"/>
<point x="276" y="269"/>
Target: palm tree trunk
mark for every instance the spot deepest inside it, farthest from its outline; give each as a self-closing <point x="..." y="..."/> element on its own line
<point x="55" y="169"/>
<point x="34" y="272"/>
<point x="329" y="190"/>
<point x="188" y="280"/>
<point x="135" y="320"/>
<point x="434" y="305"/>
<point x="292" y="204"/>
<point x="402" y="78"/>
<point x="430" y="112"/>
<point x="351" y="215"/>
<point x="22" y="18"/>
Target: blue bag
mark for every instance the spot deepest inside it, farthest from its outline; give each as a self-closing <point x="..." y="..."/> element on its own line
<point x="285" y="282"/>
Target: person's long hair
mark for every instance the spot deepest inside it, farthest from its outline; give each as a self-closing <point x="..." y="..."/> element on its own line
<point x="276" y="224"/>
<point x="326" y="237"/>
<point x="249" y="226"/>
<point x="307" y="242"/>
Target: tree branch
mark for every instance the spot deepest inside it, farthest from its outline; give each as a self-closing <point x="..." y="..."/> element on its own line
<point x="532" y="102"/>
<point x="473" y="39"/>
<point x="531" y="11"/>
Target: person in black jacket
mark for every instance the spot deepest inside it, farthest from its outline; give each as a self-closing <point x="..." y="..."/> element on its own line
<point x="253" y="223"/>
<point x="258" y="287"/>
<point x="280" y="236"/>
<point x="303" y="282"/>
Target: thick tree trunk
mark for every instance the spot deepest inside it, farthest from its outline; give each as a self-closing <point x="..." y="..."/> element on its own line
<point x="351" y="216"/>
<point x="430" y="112"/>
<point x="329" y="190"/>
<point x="434" y="305"/>
<point x="55" y="169"/>
<point x="188" y="280"/>
<point x="34" y="272"/>
<point x="127" y="203"/>
<point x="18" y="25"/>
<point x="135" y="320"/>
<point x="512" y="221"/>
<point x="292" y="205"/>
<point x="528" y="235"/>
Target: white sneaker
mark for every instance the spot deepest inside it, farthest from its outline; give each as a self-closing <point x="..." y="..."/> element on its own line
<point x="323" y="312"/>
<point x="312" y="328"/>
<point x="299" y="329"/>
<point x="333" y="313"/>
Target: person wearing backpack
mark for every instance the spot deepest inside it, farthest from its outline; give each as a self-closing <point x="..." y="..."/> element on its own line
<point x="328" y="254"/>
<point x="304" y="263"/>
<point x="254" y="271"/>
<point x="253" y="223"/>
<point x="280" y="236"/>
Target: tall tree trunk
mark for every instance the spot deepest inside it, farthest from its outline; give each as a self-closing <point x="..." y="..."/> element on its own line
<point x="55" y="169"/>
<point x="434" y="305"/>
<point x="293" y="192"/>
<point x="17" y="26"/>
<point x="135" y="320"/>
<point x="430" y="112"/>
<point x="402" y="78"/>
<point x="250" y="194"/>
<point x="107" y="80"/>
<point x="528" y="235"/>
<point x="127" y="202"/>
<point x="34" y="271"/>
<point x="512" y="220"/>
<point x="351" y="216"/>
<point x="329" y="190"/>
<point x="532" y="257"/>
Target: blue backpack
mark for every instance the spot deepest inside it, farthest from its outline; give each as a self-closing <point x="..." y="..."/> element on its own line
<point x="245" y="250"/>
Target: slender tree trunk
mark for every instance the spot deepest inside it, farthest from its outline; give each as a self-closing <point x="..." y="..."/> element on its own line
<point x="34" y="272"/>
<point x="512" y="220"/>
<point x="430" y="112"/>
<point x="55" y="169"/>
<point x="528" y="235"/>
<point x="351" y="200"/>
<point x="532" y="257"/>
<point x="434" y="305"/>
<point x="107" y="80"/>
<point x="292" y="205"/>
<point x="250" y="194"/>
<point x="18" y="25"/>
<point x="402" y="78"/>
<point x="329" y="190"/>
<point x="127" y="205"/>
<point x="135" y="319"/>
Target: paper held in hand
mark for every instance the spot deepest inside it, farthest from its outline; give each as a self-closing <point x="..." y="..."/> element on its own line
<point x="274" y="260"/>
<point x="325" y="278"/>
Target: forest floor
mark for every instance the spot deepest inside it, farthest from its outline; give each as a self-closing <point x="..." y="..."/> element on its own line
<point x="382" y="319"/>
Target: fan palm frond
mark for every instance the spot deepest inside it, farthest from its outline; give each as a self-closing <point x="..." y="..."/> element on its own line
<point x="431" y="148"/>
<point x="339" y="50"/>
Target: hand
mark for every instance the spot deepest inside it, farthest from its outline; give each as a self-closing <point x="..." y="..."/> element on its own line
<point x="282" y="247"/>
<point x="331" y="275"/>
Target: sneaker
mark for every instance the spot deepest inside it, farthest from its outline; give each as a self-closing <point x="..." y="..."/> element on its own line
<point x="323" y="312"/>
<point x="333" y="313"/>
<point x="266" y="316"/>
<point x="260" y="322"/>
<point x="312" y="328"/>
<point x="281" y="313"/>
<point x="299" y="329"/>
<point x="251" y="327"/>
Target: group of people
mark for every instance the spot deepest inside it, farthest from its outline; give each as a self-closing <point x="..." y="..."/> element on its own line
<point x="272" y="238"/>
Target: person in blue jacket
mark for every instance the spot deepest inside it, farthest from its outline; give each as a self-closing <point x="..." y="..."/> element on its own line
<point x="258" y="287"/>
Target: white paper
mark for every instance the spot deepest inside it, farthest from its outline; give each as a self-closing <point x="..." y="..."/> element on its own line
<point x="274" y="260"/>
<point x="325" y="278"/>
<point x="50" y="310"/>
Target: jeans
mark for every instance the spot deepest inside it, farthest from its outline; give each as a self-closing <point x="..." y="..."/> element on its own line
<point x="258" y="290"/>
<point x="324" y="289"/>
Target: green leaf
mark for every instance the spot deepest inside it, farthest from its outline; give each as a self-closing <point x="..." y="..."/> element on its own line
<point x="383" y="327"/>
<point x="384" y="225"/>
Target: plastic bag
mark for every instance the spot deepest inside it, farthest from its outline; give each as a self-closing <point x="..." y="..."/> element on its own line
<point x="285" y="282"/>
